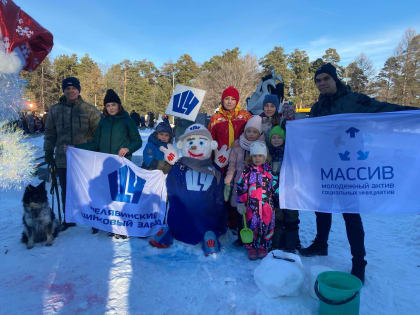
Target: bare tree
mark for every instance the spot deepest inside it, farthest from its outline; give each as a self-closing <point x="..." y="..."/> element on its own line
<point x="243" y="73"/>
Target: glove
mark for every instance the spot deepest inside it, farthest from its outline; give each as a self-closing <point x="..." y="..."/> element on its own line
<point x="49" y="158"/>
<point x="241" y="208"/>
<point x="227" y="191"/>
<point x="170" y="154"/>
<point x="222" y="156"/>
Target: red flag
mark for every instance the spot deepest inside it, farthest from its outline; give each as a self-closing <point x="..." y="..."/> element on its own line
<point x="22" y="34"/>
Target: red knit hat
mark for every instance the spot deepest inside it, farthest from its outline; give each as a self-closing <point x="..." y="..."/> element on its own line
<point x="231" y="91"/>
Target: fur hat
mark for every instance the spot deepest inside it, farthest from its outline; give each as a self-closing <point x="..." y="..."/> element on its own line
<point x="328" y="68"/>
<point x="254" y="122"/>
<point x="277" y="130"/>
<point x="196" y="129"/>
<point x="71" y="81"/>
<point x="111" y="97"/>
<point x="273" y="99"/>
<point x="258" y="147"/>
<point x="231" y="91"/>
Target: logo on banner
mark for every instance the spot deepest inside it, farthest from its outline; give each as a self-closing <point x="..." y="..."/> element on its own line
<point x="345" y="156"/>
<point x="125" y="185"/>
<point x="185" y="102"/>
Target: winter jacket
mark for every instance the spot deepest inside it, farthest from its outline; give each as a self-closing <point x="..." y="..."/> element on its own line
<point x="277" y="154"/>
<point x="226" y="126"/>
<point x="345" y="101"/>
<point x="69" y="124"/>
<point x="196" y="204"/>
<point x="113" y="133"/>
<point x="153" y="158"/>
<point x="236" y="166"/>
<point x="256" y="188"/>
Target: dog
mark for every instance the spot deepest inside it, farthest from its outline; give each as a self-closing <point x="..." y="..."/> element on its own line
<point x="39" y="220"/>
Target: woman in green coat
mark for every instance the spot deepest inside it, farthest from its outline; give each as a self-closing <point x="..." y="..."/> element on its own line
<point x="116" y="133"/>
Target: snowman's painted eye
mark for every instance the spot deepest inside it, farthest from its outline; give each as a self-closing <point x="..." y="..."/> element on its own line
<point x="201" y="142"/>
<point x="190" y="142"/>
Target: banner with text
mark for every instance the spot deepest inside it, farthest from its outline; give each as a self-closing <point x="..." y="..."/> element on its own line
<point x="353" y="163"/>
<point x="112" y="194"/>
<point x="185" y="102"/>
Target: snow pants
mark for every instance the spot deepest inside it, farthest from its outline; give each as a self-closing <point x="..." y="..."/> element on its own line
<point x="354" y="229"/>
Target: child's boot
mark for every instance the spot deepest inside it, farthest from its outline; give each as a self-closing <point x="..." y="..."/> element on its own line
<point x="252" y="253"/>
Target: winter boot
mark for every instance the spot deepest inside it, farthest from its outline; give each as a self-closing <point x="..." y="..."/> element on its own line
<point x="162" y="239"/>
<point x="210" y="243"/>
<point x="262" y="252"/>
<point x="358" y="269"/>
<point x="315" y="249"/>
<point x="252" y="254"/>
<point x="291" y="241"/>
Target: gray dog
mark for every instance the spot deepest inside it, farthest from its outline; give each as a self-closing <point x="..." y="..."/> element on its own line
<point x="39" y="220"/>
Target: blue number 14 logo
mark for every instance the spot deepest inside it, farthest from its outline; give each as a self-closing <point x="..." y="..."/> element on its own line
<point x="185" y="102"/>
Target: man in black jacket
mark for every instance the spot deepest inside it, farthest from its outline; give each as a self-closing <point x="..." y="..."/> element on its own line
<point x="337" y="98"/>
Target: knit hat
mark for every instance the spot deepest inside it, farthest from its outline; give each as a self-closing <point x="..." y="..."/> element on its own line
<point x="71" y="81"/>
<point x="273" y="99"/>
<point x="328" y="68"/>
<point x="258" y="147"/>
<point x="231" y="91"/>
<point x="196" y="129"/>
<point x="111" y="97"/>
<point x="254" y="122"/>
<point x="277" y="130"/>
<point x="164" y="127"/>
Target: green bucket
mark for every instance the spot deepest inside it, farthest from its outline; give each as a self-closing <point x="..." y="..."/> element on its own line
<point x="338" y="292"/>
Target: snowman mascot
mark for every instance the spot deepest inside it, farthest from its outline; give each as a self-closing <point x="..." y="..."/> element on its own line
<point x="196" y="209"/>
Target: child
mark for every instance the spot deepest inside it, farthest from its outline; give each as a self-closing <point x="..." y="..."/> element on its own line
<point x="240" y="151"/>
<point x="272" y="116"/>
<point x="255" y="189"/>
<point x="286" y="231"/>
<point x="116" y="133"/>
<point x="153" y="157"/>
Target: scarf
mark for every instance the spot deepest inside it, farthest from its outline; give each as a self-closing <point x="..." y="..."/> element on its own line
<point x="230" y="115"/>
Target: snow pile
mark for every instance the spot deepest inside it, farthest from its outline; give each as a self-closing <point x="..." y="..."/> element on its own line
<point x="280" y="274"/>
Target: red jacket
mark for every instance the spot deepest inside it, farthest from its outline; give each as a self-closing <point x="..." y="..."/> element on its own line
<point x="226" y="126"/>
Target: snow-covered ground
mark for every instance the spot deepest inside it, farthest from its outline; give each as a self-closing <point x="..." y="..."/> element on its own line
<point x="95" y="274"/>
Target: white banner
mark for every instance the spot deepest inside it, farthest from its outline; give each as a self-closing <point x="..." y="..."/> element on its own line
<point x="353" y="163"/>
<point x="185" y="102"/>
<point x="113" y="194"/>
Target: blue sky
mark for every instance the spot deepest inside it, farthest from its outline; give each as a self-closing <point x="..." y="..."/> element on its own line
<point x="161" y="31"/>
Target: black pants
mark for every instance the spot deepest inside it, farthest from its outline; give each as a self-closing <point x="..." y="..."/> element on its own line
<point x="62" y="177"/>
<point x="354" y="229"/>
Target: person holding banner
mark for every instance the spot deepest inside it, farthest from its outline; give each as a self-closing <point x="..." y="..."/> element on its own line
<point x="71" y="121"/>
<point x="116" y="133"/>
<point x="337" y="98"/>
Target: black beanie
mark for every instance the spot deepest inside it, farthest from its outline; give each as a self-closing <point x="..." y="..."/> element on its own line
<point x="328" y="69"/>
<point x="71" y="81"/>
<point x="111" y="96"/>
